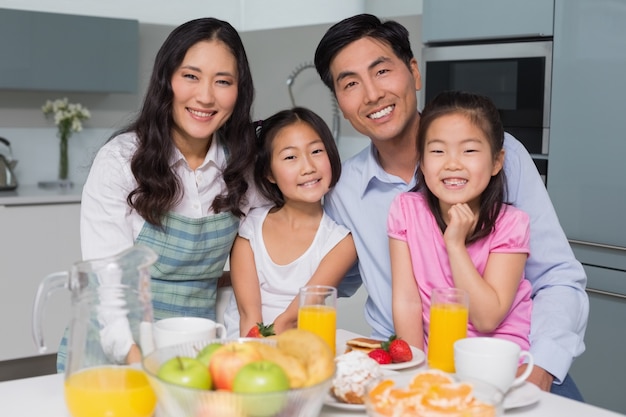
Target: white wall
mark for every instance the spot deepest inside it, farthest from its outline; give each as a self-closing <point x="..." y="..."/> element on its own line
<point x="242" y="14"/>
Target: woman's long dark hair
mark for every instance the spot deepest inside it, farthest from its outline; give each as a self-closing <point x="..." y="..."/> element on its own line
<point x="483" y="114"/>
<point x="158" y="186"/>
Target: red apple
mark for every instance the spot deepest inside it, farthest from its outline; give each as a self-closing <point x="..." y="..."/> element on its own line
<point x="186" y="372"/>
<point x="227" y="360"/>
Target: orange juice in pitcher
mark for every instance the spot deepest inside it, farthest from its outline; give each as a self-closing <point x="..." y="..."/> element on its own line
<point x="109" y="392"/>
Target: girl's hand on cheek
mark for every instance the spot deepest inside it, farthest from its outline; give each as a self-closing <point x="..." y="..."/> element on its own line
<point x="461" y="224"/>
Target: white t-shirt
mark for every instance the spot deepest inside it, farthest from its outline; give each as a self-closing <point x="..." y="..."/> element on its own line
<point x="279" y="284"/>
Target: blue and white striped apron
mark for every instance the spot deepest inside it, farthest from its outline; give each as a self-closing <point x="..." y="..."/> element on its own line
<point x="192" y="254"/>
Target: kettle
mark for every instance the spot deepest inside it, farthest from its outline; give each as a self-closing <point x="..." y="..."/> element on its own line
<point x="7" y="177"/>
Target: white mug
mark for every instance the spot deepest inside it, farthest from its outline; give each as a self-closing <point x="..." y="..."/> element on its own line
<point x="175" y="330"/>
<point x="491" y="360"/>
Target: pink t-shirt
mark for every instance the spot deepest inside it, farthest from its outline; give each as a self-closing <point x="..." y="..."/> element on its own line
<point x="411" y="220"/>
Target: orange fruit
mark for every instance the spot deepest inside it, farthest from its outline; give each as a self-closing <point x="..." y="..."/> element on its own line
<point x="379" y="397"/>
<point x="480" y="409"/>
<point x="426" y="379"/>
<point x="401" y="394"/>
<point x="381" y="389"/>
<point x="430" y="392"/>
<point x="448" y="396"/>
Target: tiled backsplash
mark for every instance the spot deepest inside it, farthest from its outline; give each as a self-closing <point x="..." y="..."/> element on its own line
<point x="37" y="153"/>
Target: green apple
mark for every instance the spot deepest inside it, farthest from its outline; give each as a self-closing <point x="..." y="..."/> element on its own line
<point x="266" y="378"/>
<point x="206" y="353"/>
<point x="186" y="372"/>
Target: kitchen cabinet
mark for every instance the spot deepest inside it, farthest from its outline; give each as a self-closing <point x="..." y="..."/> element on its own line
<point x="599" y="372"/>
<point x="586" y="182"/>
<point x="63" y="52"/>
<point x="478" y="20"/>
<point x="35" y="241"/>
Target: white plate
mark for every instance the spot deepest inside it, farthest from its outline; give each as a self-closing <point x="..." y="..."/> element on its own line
<point x="418" y="359"/>
<point x="525" y="394"/>
<point x="333" y="402"/>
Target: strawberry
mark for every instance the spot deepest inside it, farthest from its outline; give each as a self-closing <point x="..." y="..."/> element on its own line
<point x="261" y="330"/>
<point x="381" y="356"/>
<point x="398" y="349"/>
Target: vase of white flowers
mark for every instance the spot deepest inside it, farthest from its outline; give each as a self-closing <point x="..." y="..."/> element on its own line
<point x="68" y="118"/>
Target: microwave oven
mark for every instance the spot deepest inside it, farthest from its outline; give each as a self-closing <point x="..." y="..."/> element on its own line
<point x="517" y="76"/>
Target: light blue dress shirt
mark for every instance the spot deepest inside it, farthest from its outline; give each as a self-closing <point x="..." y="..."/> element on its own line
<point x="361" y="202"/>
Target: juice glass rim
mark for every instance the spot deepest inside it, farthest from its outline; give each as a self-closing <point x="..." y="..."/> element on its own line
<point x="459" y="295"/>
<point x="320" y="289"/>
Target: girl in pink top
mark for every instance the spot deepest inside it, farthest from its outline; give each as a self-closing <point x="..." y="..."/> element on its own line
<point x="454" y="229"/>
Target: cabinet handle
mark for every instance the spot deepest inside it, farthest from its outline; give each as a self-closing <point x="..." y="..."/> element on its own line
<point x="609" y="293"/>
<point x="597" y="245"/>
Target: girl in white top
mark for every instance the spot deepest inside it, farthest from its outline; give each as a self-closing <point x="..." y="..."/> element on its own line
<point x="292" y="242"/>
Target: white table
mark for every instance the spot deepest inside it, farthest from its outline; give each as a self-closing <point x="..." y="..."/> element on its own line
<point x="43" y="396"/>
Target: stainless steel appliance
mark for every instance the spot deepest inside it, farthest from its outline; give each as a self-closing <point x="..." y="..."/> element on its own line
<point x="517" y="76"/>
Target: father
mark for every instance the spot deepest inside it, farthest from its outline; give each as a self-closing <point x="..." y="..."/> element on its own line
<point x="371" y="69"/>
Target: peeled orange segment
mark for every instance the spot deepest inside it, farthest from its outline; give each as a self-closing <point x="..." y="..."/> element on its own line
<point x="381" y="389"/>
<point x="402" y="394"/>
<point x="379" y="397"/>
<point x="480" y="409"/>
<point x="448" y="396"/>
<point x="429" y="378"/>
<point x="430" y="393"/>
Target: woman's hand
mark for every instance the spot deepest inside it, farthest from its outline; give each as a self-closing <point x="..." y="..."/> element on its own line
<point x="134" y="355"/>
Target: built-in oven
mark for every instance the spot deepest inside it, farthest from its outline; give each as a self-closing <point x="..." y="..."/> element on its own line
<point x="517" y="76"/>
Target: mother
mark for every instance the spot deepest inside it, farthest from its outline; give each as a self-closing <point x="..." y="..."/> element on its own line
<point x="175" y="178"/>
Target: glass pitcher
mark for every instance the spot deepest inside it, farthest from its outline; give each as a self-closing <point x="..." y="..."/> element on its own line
<point x="111" y="318"/>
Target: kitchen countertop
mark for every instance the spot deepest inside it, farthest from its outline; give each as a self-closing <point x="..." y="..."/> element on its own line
<point x="33" y="194"/>
<point x="43" y="396"/>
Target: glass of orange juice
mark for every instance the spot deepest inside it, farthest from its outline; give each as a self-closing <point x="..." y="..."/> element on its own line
<point x="448" y="323"/>
<point x="317" y="312"/>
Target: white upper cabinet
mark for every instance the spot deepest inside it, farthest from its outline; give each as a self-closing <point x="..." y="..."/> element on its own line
<point x="476" y="20"/>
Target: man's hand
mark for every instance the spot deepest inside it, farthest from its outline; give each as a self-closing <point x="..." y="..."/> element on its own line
<point x="539" y="376"/>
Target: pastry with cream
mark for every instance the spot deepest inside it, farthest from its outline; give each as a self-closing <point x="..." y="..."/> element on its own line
<point x="354" y="371"/>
